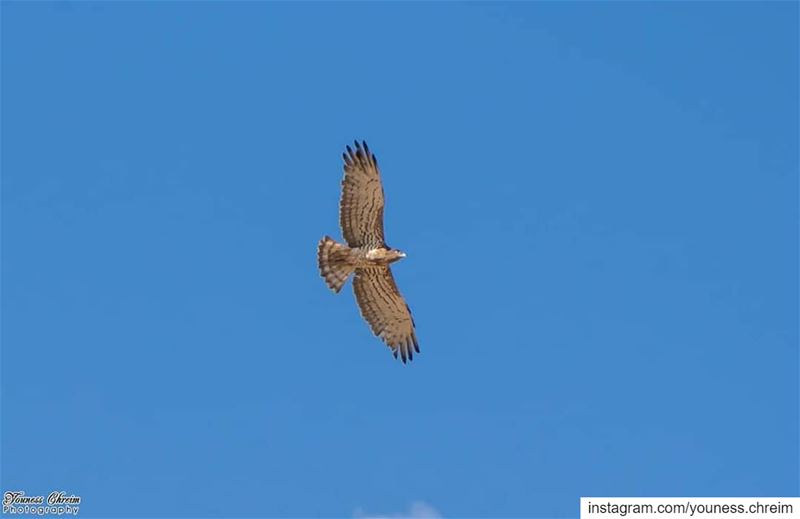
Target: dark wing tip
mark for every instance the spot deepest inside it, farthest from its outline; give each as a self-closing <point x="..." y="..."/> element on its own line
<point x="358" y="153"/>
<point x="370" y="155"/>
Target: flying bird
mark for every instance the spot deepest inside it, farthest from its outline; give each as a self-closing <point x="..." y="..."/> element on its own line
<point x="367" y="256"/>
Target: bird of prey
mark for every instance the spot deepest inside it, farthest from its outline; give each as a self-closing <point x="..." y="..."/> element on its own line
<point x="367" y="256"/>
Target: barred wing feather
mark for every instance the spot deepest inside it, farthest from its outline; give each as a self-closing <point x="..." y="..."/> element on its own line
<point x="385" y="310"/>
<point x="361" y="205"/>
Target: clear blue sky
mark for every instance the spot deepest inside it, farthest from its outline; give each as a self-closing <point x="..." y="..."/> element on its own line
<point x="599" y="206"/>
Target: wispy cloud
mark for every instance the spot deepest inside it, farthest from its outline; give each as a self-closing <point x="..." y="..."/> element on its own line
<point x="417" y="510"/>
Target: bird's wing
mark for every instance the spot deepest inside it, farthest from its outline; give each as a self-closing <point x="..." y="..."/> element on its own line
<point x="361" y="206"/>
<point x="385" y="310"/>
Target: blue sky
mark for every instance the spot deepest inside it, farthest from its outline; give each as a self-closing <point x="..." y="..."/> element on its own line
<point x="599" y="203"/>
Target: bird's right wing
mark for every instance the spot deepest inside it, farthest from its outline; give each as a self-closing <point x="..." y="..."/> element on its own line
<point x="361" y="206"/>
<point x="385" y="310"/>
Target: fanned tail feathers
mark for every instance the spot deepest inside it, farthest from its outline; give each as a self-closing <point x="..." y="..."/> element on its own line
<point x="335" y="265"/>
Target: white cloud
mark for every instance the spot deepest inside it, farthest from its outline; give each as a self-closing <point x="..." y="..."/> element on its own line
<point x="423" y="510"/>
<point x="417" y="510"/>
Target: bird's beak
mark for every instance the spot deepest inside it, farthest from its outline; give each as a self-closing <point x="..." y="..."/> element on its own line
<point x="402" y="254"/>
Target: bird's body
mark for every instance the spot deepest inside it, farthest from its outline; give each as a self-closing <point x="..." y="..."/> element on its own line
<point x="378" y="256"/>
<point x="367" y="256"/>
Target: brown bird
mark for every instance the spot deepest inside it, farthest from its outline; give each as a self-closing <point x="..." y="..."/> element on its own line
<point x="367" y="255"/>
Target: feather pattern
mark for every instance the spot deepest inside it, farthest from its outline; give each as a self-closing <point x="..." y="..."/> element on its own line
<point x="361" y="205"/>
<point x="385" y="310"/>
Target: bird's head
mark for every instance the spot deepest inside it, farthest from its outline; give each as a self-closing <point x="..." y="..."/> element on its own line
<point x="394" y="255"/>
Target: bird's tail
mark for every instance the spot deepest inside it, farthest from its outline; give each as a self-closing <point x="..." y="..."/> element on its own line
<point x="335" y="264"/>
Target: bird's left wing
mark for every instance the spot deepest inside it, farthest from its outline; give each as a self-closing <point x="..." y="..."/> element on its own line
<point x="361" y="205"/>
<point x="385" y="310"/>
